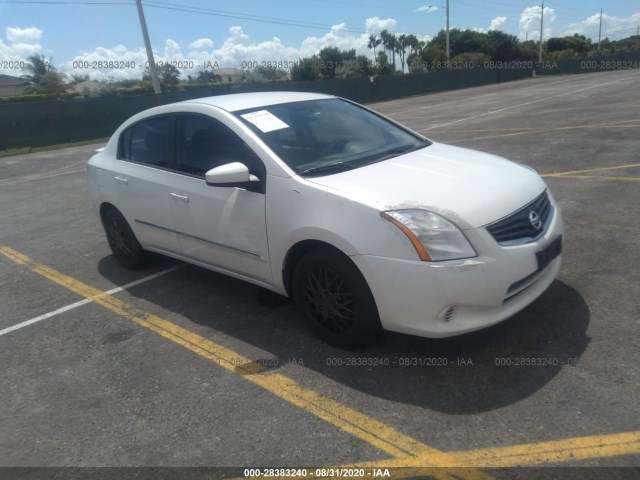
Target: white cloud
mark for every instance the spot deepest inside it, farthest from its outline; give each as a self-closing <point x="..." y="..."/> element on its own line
<point x="31" y="35"/>
<point x="529" y="25"/>
<point x="172" y="51"/>
<point x="201" y="43"/>
<point x="376" y="25"/>
<point x="237" y="36"/>
<point x="612" y="27"/>
<point x="497" y="23"/>
<point x="427" y="9"/>
<point x="339" y="37"/>
<point x="20" y="44"/>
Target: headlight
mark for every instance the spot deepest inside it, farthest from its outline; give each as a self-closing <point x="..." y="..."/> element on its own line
<point x="435" y="238"/>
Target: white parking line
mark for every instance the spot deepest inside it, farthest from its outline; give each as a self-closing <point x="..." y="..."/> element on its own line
<point x="11" y="181"/>
<point x="87" y="300"/>
<point x="523" y="104"/>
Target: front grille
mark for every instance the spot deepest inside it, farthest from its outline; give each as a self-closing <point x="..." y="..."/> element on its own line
<point x="519" y="227"/>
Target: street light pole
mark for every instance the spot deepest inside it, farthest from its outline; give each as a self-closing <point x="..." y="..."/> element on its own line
<point x="448" y="54"/>
<point x="147" y="46"/>
<point x="541" y="23"/>
<point x="600" y="30"/>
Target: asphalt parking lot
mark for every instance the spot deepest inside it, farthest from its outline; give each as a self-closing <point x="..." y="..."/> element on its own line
<point x="188" y="368"/>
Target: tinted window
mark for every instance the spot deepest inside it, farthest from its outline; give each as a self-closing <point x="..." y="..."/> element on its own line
<point x="204" y="143"/>
<point x="148" y="141"/>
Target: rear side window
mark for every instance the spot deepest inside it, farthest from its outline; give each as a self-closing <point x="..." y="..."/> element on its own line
<point x="148" y="142"/>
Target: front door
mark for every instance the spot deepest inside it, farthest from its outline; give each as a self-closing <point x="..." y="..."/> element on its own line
<point x="221" y="226"/>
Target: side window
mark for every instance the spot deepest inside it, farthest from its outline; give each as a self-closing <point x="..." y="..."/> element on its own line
<point x="204" y="143"/>
<point x="125" y="145"/>
<point x="148" y="142"/>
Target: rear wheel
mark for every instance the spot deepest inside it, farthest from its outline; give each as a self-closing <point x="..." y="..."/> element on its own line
<point x="123" y="242"/>
<point x="335" y="299"/>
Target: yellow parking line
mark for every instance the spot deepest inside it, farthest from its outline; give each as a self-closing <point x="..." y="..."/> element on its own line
<point x="542" y="129"/>
<point x="551" y="129"/>
<point x="591" y="170"/>
<point x="346" y="419"/>
<point x="560" y="451"/>
<point x="595" y="177"/>
<point x="531" y="454"/>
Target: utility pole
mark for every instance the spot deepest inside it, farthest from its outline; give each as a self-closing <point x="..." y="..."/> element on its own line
<point x="448" y="54"/>
<point x="147" y="46"/>
<point x="600" y="30"/>
<point x="541" y="23"/>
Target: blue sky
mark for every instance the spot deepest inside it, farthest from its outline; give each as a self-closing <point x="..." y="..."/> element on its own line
<point x="227" y="35"/>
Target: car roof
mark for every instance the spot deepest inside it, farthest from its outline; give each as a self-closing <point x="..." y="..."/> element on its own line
<point x="243" y="101"/>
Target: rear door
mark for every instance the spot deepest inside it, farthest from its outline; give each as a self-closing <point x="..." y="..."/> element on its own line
<point x="142" y="181"/>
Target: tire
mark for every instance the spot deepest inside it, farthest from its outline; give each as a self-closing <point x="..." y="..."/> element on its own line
<point x="335" y="299"/>
<point x="122" y="240"/>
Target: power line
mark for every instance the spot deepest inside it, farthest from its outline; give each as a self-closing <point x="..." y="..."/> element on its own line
<point x="193" y="9"/>
<point x="68" y="2"/>
<point x="239" y="15"/>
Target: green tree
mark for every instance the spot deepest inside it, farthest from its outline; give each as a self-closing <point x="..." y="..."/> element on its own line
<point x="52" y="82"/>
<point x="383" y="67"/>
<point x="402" y="43"/>
<point x="78" y="78"/>
<point x="432" y="57"/>
<point x="528" y="50"/>
<point x="374" y="41"/>
<point x="502" y="46"/>
<point x="168" y="75"/>
<point x="414" y="44"/>
<point x="472" y="59"/>
<point x="207" y="76"/>
<point x="264" y="74"/>
<point x="330" y="58"/>
<point x="37" y="67"/>
<point x="356" y="67"/>
<point x="389" y="42"/>
<point x="306" y="69"/>
<point x="578" y="43"/>
<point x="42" y="76"/>
<point x="461" y="41"/>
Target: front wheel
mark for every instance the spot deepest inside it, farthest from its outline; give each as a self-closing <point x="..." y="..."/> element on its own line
<point x="335" y="299"/>
<point x="122" y="240"/>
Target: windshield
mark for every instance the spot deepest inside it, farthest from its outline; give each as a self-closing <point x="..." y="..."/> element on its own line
<point x="322" y="137"/>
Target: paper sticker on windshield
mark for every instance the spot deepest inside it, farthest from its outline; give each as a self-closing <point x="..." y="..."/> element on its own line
<point x="265" y="121"/>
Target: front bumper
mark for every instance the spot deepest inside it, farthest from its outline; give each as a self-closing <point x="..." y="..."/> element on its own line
<point x="442" y="299"/>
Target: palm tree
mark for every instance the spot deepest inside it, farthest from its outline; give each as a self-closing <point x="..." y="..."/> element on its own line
<point x="385" y="37"/>
<point x="37" y="67"/>
<point x="413" y="43"/>
<point x="374" y="41"/>
<point x="401" y="46"/>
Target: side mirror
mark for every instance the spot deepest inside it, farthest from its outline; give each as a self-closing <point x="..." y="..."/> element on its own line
<point x="230" y="175"/>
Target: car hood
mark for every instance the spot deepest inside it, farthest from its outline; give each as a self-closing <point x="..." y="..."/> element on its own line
<point x="468" y="187"/>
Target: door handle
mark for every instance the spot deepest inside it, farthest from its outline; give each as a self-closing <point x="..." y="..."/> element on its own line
<point x="121" y="180"/>
<point x="177" y="196"/>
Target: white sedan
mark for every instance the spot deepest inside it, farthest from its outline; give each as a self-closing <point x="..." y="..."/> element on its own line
<point x="365" y="223"/>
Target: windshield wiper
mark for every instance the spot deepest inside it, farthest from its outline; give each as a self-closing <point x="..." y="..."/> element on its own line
<point x="327" y="168"/>
<point x="395" y="152"/>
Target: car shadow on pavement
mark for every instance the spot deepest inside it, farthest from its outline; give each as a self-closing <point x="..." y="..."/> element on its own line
<point x="473" y="373"/>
